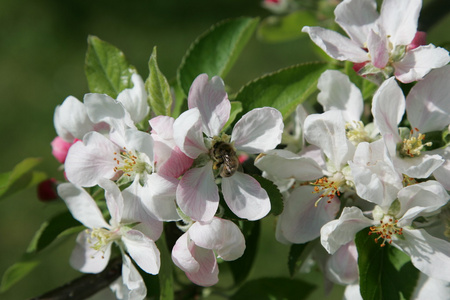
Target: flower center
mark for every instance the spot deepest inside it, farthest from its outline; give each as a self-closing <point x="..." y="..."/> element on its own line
<point x="355" y="132"/>
<point x="129" y="163"/>
<point x="386" y="230"/>
<point x="329" y="186"/>
<point x="414" y="146"/>
<point x="100" y="238"/>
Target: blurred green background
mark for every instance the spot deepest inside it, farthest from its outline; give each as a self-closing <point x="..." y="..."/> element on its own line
<point x="42" y="48"/>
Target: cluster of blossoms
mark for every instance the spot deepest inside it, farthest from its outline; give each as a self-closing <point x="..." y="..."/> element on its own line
<point x="168" y="170"/>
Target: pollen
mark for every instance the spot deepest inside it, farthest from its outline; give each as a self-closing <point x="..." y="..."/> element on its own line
<point x="355" y="132"/>
<point x="386" y="230"/>
<point x="100" y="238"/>
<point x="128" y="162"/>
<point x="328" y="187"/>
<point x="414" y="145"/>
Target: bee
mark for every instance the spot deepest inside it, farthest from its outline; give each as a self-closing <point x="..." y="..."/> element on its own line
<point x="225" y="157"/>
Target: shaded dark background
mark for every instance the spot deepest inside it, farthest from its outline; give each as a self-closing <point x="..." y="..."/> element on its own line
<point x="42" y="48"/>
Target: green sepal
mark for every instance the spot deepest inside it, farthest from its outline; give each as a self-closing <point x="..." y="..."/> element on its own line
<point x="158" y="89"/>
<point x="384" y="272"/>
<point x="107" y="70"/>
<point x="21" y="177"/>
<point x="274" y="288"/>
<point x="215" y="51"/>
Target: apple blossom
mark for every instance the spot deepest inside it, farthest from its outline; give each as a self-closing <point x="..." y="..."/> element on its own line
<point x="381" y="41"/>
<point x="257" y="131"/>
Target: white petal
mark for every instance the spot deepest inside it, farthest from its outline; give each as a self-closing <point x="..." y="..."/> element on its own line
<point x="285" y="164"/>
<point x="388" y="107"/>
<point x="197" y="194"/>
<point x="220" y="235"/>
<point x="337" y="92"/>
<point x="130" y="286"/>
<point x="378" y="49"/>
<point x="427" y="103"/>
<point x="418" y="62"/>
<point x="399" y="20"/>
<point x="71" y="120"/>
<point x="187" y="133"/>
<point x="245" y="196"/>
<point x="356" y="17"/>
<point x="420" y="166"/>
<point x="135" y="99"/>
<point x="162" y="126"/>
<point x="336" y="45"/>
<point x="140" y="141"/>
<point x="114" y="200"/>
<point x="91" y="159"/>
<point x="428" y="287"/>
<point x="212" y="101"/>
<point x="428" y="254"/>
<point x="425" y="197"/>
<point x="301" y="219"/>
<point x="81" y="205"/>
<point x="259" y="130"/>
<point x="102" y="108"/>
<point x="327" y="131"/>
<point x="352" y="292"/>
<point x="143" y="251"/>
<point x="342" y="266"/>
<point x="182" y="256"/>
<point x="86" y="259"/>
<point x="339" y="232"/>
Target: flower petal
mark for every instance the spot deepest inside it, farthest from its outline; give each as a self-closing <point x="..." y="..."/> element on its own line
<point x="337" y="92"/>
<point x="135" y="99"/>
<point x="259" y="130"/>
<point x="245" y="196"/>
<point x="378" y="49"/>
<point x="212" y="101"/>
<point x="220" y="235"/>
<point x="71" y="120"/>
<point x="81" y="205"/>
<point x="86" y="259"/>
<point x="130" y="285"/>
<point x="187" y="133"/>
<point x="339" y="232"/>
<point x="342" y="266"/>
<point x="428" y="254"/>
<point x="301" y="219"/>
<point x="336" y="45"/>
<point x="142" y="250"/>
<point x="197" y="194"/>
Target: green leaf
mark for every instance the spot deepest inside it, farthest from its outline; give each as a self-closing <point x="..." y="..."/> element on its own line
<point x="215" y="51"/>
<point x="298" y="253"/>
<point x="165" y="272"/>
<point x="236" y="108"/>
<point x="276" y="199"/>
<point x="283" y="90"/>
<point x="284" y="28"/>
<point x="107" y="70"/>
<point x="16" y="272"/>
<point x="274" y="288"/>
<point x="20" y="178"/>
<point x="241" y="267"/>
<point x="384" y="272"/>
<point x="158" y="88"/>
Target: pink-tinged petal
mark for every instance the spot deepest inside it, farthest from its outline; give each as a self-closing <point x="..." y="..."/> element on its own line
<point x="82" y="206"/>
<point x="86" y="259"/>
<point x="377" y="44"/>
<point x="399" y="20"/>
<point x="175" y="165"/>
<point x="60" y="148"/>
<point x="90" y="160"/>
<point x="153" y="201"/>
<point x="327" y="131"/>
<point x="182" y="256"/>
<point x="130" y="285"/>
<point x="285" y="164"/>
<point x="222" y="236"/>
<point x="114" y="200"/>
<point x="420" y="39"/>
<point x="420" y="166"/>
<point x="388" y="107"/>
<point x="357" y="17"/>
<point x="212" y="101"/>
<point x="259" y="130"/>
<point x="337" y="92"/>
<point x="339" y="232"/>
<point x="134" y="100"/>
<point x="187" y="133"/>
<point x="245" y="196"/>
<point x="197" y="193"/>
<point x="375" y="177"/>
<point x="419" y="61"/>
<point x="207" y="274"/>
<point x="342" y="267"/>
<point x="143" y="251"/>
<point x="301" y="219"/>
<point x="428" y="254"/>
<point x="162" y="126"/>
<point x="420" y="199"/>
<point x="336" y="45"/>
<point x="71" y="120"/>
<point x="427" y="103"/>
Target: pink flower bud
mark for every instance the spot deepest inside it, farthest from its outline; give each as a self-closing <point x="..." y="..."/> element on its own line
<point x="60" y="148"/>
<point x="419" y="39"/>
